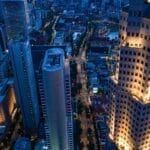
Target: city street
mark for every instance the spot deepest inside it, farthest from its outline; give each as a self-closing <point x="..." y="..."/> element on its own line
<point x="86" y="123"/>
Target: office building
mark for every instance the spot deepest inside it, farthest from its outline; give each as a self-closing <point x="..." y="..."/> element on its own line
<point x="69" y="111"/>
<point x="54" y="92"/>
<point x="7" y="95"/>
<point x="41" y="145"/>
<point x="25" y="86"/>
<point x="56" y="101"/>
<point x="118" y="5"/>
<point x="16" y="17"/>
<point x="7" y="106"/>
<point x="2" y="38"/>
<point x="104" y="4"/>
<point x="130" y="87"/>
<point x="22" y="143"/>
<point x="38" y="53"/>
<point x="84" y="3"/>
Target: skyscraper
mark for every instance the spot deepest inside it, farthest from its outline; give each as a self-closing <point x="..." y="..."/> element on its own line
<point x="2" y="39"/>
<point x="25" y="83"/>
<point x="130" y="89"/>
<point x="69" y="111"/>
<point x="22" y="143"/>
<point x="7" y="106"/>
<point x="15" y="17"/>
<point x="84" y="3"/>
<point x="54" y="102"/>
<point x="119" y="4"/>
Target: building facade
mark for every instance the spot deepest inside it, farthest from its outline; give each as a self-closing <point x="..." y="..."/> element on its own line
<point x="56" y="101"/>
<point x="25" y="86"/>
<point x="22" y="143"/>
<point x="130" y="87"/>
<point x="7" y="106"/>
<point x="118" y="5"/>
<point x="15" y="17"/>
<point x="2" y="39"/>
<point x="69" y="111"/>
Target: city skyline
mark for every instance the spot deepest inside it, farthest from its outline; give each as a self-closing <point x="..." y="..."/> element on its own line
<point x="75" y="75"/>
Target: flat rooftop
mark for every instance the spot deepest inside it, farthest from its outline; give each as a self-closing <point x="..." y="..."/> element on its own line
<point x="54" y="59"/>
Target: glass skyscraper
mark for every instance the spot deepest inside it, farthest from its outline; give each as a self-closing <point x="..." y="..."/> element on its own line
<point x="25" y="86"/>
<point x="54" y="103"/>
<point x="15" y="17"/>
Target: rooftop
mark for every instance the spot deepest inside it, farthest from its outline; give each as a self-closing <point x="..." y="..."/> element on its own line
<point x="54" y="59"/>
<point x="22" y="144"/>
<point x="146" y="13"/>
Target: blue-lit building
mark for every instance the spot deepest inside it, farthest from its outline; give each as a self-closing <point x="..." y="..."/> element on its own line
<point x="2" y="38"/>
<point x="56" y="101"/>
<point x="69" y="111"/>
<point x="7" y="106"/>
<point x="84" y="3"/>
<point x="41" y="145"/>
<point x="22" y="144"/>
<point x="25" y="86"/>
<point x="38" y="53"/>
<point x="15" y="17"/>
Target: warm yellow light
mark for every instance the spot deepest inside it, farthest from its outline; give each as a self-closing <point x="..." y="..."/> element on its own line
<point x="111" y="136"/>
<point x="11" y="100"/>
<point x="123" y="144"/>
<point x="147" y="95"/>
<point x="2" y="115"/>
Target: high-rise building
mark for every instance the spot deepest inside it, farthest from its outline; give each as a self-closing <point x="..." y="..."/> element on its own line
<point x="56" y="112"/>
<point x="104" y="4"/>
<point x="119" y="4"/>
<point x="69" y="111"/>
<point x="7" y="106"/>
<point x="84" y="3"/>
<point x="130" y="87"/>
<point x="22" y="143"/>
<point x="41" y="145"/>
<point x="2" y="38"/>
<point x="15" y="17"/>
<point x="25" y="86"/>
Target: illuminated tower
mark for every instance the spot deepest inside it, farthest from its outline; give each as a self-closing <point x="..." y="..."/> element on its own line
<point x="54" y="100"/>
<point x="130" y="89"/>
<point x="25" y="87"/>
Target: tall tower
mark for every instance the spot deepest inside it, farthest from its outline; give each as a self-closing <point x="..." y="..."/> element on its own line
<point x="85" y="4"/>
<point x="130" y="92"/>
<point x="54" y="103"/>
<point x="2" y="39"/>
<point x="119" y="4"/>
<point x="15" y="17"/>
<point x="69" y="111"/>
<point x="25" y="83"/>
